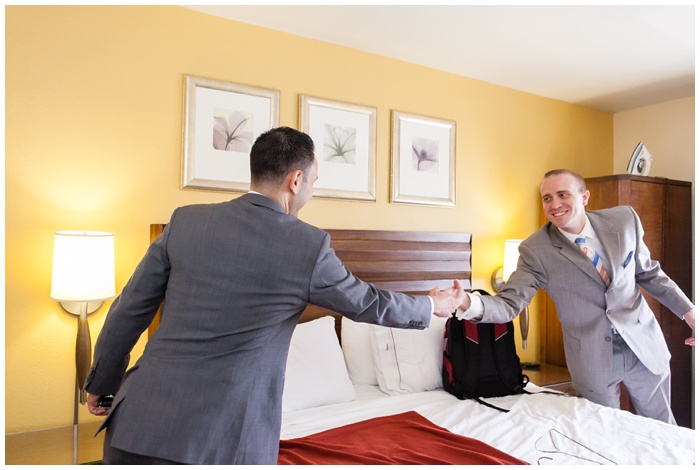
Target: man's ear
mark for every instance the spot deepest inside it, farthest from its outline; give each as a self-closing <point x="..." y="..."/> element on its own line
<point x="295" y="180"/>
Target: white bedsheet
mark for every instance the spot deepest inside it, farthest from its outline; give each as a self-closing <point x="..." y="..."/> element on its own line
<point x="540" y="429"/>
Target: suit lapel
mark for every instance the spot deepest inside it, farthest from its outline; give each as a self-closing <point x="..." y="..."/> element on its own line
<point x="573" y="253"/>
<point x="610" y="240"/>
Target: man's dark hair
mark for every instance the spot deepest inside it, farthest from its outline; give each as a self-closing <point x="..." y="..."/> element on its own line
<point x="277" y="152"/>
<point x="579" y="179"/>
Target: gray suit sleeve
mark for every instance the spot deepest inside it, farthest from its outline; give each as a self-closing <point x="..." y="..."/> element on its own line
<point x="650" y="276"/>
<point x="517" y="293"/>
<point x="335" y="288"/>
<point x="128" y="317"/>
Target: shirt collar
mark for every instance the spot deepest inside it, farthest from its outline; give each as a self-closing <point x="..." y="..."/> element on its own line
<point x="587" y="232"/>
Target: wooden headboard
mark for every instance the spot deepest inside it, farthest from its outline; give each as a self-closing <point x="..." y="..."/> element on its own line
<point x="411" y="262"/>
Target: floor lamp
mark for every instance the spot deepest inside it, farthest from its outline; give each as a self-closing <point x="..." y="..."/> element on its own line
<point x="82" y="278"/>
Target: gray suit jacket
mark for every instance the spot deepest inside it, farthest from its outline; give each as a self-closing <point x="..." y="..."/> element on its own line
<point x="235" y="278"/>
<point x="586" y="309"/>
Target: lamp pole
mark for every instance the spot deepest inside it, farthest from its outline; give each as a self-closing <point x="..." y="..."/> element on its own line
<point x="75" y="424"/>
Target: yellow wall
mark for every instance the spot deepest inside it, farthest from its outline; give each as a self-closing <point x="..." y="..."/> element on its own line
<point x="93" y="142"/>
<point x="667" y="130"/>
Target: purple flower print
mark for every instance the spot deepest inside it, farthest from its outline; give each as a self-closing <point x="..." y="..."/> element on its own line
<point x="232" y="135"/>
<point x="425" y="154"/>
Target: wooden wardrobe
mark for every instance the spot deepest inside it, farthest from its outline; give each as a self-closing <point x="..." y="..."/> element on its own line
<point x="664" y="207"/>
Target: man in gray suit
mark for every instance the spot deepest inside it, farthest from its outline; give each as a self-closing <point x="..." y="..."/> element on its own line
<point x="235" y="278"/>
<point x="610" y="333"/>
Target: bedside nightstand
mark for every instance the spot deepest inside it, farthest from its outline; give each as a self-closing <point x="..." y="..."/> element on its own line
<point x="550" y="376"/>
<point x="54" y="446"/>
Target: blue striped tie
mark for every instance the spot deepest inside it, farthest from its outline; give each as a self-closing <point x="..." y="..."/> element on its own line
<point x="595" y="258"/>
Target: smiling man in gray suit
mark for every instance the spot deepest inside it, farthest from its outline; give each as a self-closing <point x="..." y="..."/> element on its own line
<point x="610" y="333"/>
<point x="235" y="278"/>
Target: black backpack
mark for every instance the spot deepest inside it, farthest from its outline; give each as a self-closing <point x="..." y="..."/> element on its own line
<point x="480" y="360"/>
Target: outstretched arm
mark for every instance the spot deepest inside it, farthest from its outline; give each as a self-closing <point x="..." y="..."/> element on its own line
<point x="690" y="320"/>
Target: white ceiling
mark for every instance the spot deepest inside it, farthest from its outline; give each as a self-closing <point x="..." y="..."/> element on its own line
<point x="611" y="58"/>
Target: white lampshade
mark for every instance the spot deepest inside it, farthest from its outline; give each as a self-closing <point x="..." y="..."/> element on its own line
<point x="510" y="258"/>
<point x="83" y="266"/>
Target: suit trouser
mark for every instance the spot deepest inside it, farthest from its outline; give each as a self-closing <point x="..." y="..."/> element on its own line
<point x="650" y="393"/>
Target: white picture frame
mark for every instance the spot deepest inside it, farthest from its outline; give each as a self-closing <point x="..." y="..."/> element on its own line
<point x="221" y="122"/>
<point x="422" y="160"/>
<point x="345" y="137"/>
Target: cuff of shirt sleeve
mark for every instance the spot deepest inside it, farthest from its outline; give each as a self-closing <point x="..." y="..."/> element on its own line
<point x="475" y="310"/>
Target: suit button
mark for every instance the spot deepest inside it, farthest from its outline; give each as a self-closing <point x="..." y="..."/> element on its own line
<point x="608" y="338"/>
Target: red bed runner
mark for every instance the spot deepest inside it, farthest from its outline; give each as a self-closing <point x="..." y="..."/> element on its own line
<point x="404" y="439"/>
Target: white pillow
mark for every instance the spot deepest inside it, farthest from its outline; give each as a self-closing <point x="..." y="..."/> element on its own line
<point x="316" y="373"/>
<point x="408" y="361"/>
<point x="357" y="350"/>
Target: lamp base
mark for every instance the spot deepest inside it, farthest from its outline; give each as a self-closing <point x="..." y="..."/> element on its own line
<point x="74" y="307"/>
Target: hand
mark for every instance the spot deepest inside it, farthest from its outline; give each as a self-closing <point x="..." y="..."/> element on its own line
<point x="449" y="300"/>
<point x="92" y="401"/>
<point x="690" y="320"/>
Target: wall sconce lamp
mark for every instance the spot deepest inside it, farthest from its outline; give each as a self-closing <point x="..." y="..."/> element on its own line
<point x="82" y="278"/>
<point x="501" y="275"/>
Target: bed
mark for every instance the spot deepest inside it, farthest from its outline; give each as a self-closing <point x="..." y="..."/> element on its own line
<point x="358" y="393"/>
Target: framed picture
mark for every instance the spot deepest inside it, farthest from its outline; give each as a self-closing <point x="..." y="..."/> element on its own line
<point x="222" y="120"/>
<point x="345" y="136"/>
<point x="422" y="160"/>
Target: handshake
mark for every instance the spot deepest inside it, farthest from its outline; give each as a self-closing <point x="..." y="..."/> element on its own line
<point x="447" y="301"/>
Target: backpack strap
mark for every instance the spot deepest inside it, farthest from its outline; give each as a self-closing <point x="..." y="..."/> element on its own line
<point x="453" y="366"/>
<point x="523" y="391"/>
<point x="490" y="405"/>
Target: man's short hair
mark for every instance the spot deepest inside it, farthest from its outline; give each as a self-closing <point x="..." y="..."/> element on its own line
<point x="579" y="179"/>
<point x="279" y="151"/>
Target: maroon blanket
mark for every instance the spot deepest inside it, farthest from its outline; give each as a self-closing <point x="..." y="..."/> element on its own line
<point x="404" y="439"/>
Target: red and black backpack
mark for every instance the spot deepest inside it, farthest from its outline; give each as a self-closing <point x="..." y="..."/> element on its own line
<point x="480" y="360"/>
